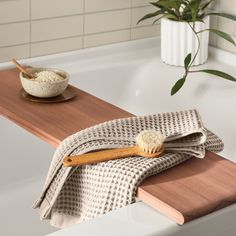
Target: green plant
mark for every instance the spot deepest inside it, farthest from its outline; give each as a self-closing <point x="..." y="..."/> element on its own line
<point x="190" y="11"/>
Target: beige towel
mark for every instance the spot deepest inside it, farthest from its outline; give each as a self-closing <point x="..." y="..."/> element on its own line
<point x="72" y="195"/>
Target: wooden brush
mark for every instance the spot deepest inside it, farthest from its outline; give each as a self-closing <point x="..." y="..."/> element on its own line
<point x="149" y="144"/>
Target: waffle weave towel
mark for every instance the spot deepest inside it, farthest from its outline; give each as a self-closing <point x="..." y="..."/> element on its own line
<point x="71" y="195"/>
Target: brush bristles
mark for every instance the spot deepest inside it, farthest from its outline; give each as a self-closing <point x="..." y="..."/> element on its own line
<point x="150" y="141"/>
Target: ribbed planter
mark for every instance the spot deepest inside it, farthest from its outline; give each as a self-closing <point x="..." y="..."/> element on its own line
<point x="178" y="39"/>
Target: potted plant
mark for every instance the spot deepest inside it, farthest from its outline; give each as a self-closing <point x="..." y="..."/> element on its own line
<point x="185" y="33"/>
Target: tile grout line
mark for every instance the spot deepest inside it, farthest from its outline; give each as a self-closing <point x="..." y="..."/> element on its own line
<point x="70" y="15"/>
<point x="217" y="26"/>
<point x="83" y="23"/>
<point x="73" y="36"/>
<point x="15" y="45"/>
<point x="131" y="17"/>
<point x="30" y="31"/>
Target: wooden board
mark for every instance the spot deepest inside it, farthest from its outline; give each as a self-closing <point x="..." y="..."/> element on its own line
<point x="192" y="189"/>
<point x="188" y="191"/>
<point x="53" y="122"/>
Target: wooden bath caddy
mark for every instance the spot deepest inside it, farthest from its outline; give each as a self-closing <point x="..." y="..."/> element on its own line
<point x="188" y="191"/>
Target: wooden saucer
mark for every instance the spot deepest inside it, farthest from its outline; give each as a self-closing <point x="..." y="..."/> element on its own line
<point x="68" y="94"/>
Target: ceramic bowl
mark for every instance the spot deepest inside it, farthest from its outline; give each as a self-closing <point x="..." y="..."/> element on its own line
<point x="44" y="89"/>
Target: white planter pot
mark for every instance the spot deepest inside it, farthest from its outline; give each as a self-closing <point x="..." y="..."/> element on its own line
<point x="178" y="40"/>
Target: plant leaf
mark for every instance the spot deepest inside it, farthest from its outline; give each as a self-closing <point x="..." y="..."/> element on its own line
<point x="178" y="85"/>
<point x="171" y="17"/>
<point x="194" y="8"/>
<point x="222" y="35"/>
<point x="226" y="15"/>
<point x="167" y="15"/>
<point x="219" y="73"/>
<point x="187" y="60"/>
<point x="204" y="6"/>
<point x="151" y="15"/>
<point x="158" y="19"/>
<point x="154" y="4"/>
<point x="169" y="6"/>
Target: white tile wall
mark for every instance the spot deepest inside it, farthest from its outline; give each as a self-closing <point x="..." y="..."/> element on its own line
<point x="223" y="24"/>
<point x="106" y="38"/>
<point x="31" y="28"/>
<point x="14" y="10"/>
<point x="14" y="34"/>
<point x="138" y="3"/>
<point x="55" y="8"/>
<point x="21" y="51"/>
<point x="213" y="25"/>
<point x="42" y="30"/>
<point x="227" y="26"/>
<point x="145" y="32"/>
<point x="107" y="21"/>
<point x="56" y="46"/>
<point x="105" y="5"/>
<point x="38" y="27"/>
<point x="138" y="13"/>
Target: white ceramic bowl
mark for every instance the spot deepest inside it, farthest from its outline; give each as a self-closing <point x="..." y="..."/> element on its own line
<point x="44" y="89"/>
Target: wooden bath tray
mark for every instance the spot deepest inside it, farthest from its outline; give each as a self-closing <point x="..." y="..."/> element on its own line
<point x="185" y="192"/>
<point x="192" y="189"/>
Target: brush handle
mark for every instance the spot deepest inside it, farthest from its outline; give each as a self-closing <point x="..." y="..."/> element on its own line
<point x="99" y="156"/>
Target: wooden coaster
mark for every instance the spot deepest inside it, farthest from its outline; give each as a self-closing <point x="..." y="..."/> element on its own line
<point x="68" y="94"/>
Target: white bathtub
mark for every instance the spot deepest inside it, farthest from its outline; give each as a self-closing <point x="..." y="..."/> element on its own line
<point x="131" y="76"/>
<point x="24" y="163"/>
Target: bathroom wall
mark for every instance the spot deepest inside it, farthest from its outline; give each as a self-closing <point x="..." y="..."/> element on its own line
<point x="31" y="28"/>
<point x="228" y="6"/>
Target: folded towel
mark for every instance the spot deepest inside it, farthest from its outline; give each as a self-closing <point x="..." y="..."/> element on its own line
<point x="71" y="195"/>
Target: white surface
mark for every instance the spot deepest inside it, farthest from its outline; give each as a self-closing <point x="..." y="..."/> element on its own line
<point x="139" y="219"/>
<point x="24" y="163"/>
<point x="132" y="76"/>
<point x="178" y="40"/>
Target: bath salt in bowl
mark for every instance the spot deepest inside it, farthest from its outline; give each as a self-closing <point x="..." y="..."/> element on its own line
<point x="45" y="83"/>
